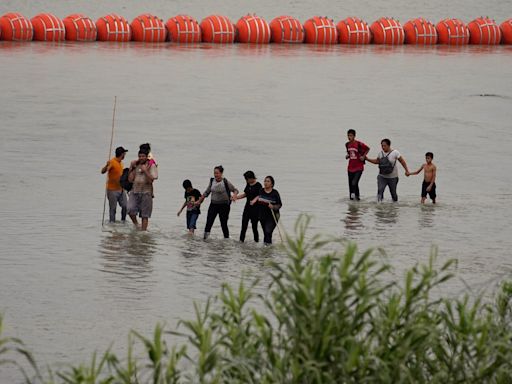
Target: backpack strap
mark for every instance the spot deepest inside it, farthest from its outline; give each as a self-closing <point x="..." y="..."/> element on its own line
<point x="226" y="185"/>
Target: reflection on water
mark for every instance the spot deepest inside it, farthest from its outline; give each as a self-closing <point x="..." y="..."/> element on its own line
<point x="127" y="253"/>
<point x="386" y="214"/>
<point x="426" y="215"/>
<point x="353" y="217"/>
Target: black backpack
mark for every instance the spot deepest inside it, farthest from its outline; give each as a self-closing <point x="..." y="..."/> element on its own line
<point x="125" y="184"/>
<point x="385" y="166"/>
<point x="225" y="186"/>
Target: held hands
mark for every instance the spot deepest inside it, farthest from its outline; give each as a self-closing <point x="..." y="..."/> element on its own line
<point x="179" y="212"/>
<point x="407" y="173"/>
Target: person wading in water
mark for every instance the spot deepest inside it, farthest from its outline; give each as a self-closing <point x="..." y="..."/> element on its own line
<point x="269" y="202"/>
<point x="221" y="190"/>
<point x="115" y="193"/>
<point x="142" y="175"/>
<point x="252" y="189"/>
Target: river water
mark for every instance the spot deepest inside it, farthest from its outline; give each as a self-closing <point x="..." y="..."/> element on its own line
<point x="69" y="287"/>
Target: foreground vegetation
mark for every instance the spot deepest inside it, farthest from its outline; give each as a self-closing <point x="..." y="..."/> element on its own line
<point x="328" y="316"/>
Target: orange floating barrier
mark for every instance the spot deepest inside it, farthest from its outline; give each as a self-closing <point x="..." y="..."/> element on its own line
<point x="48" y="27"/>
<point x="484" y="31"/>
<point x="506" y="31"/>
<point x="148" y="28"/>
<point x="183" y="29"/>
<point x="353" y="30"/>
<point x="113" y="28"/>
<point x="217" y="29"/>
<point x="388" y="31"/>
<point x="420" y="32"/>
<point x="16" y="27"/>
<point x="80" y="28"/>
<point x="452" y="32"/>
<point x="286" y="29"/>
<point x="253" y="29"/>
<point x="320" y="30"/>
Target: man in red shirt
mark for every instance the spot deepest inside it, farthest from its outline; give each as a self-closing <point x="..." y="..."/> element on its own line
<point x="356" y="152"/>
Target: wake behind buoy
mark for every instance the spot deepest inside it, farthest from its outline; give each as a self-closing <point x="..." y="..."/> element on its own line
<point x="286" y="29"/>
<point x="16" y="27"/>
<point x="353" y="30"/>
<point x="48" y="27"/>
<point x="420" y="32"/>
<point x="183" y="29"/>
<point x="452" y="32"/>
<point x="79" y="28"/>
<point x="113" y="28"/>
<point x="253" y="29"/>
<point x="320" y="30"/>
<point x="148" y="28"/>
<point x="506" y="31"/>
<point x="217" y="29"/>
<point x="484" y="31"/>
<point x="387" y="31"/>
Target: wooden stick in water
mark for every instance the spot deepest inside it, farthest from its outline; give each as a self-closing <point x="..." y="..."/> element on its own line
<point x="108" y="158"/>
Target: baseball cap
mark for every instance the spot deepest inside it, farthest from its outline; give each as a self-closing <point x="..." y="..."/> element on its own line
<point x="120" y="151"/>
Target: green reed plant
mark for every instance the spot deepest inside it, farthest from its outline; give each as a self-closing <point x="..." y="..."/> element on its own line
<point x="330" y="314"/>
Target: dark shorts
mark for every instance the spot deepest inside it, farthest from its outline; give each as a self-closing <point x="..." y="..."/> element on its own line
<point x="141" y="204"/>
<point x="432" y="192"/>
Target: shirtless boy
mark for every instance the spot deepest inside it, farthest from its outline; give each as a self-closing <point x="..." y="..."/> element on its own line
<point x="429" y="181"/>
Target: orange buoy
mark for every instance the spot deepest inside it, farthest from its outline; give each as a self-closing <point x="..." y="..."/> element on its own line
<point x="484" y="31"/>
<point x="80" y="28"/>
<point x="253" y="29"/>
<point x="113" y="28"/>
<point x="452" y="32"/>
<point x="148" y="28"/>
<point x="420" y="32"/>
<point x="387" y="30"/>
<point x="286" y="29"/>
<point x="320" y="30"/>
<point x="506" y="31"/>
<point x="48" y="27"/>
<point x="353" y="30"/>
<point x="16" y="27"/>
<point x="217" y="29"/>
<point x="183" y="29"/>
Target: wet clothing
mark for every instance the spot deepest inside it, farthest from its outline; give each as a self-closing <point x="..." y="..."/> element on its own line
<point x="192" y="219"/>
<point x="140" y="203"/>
<point x="193" y="211"/>
<point x="220" y="191"/>
<point x="191" y="197"/>
<point x="115" y="197"/>
<point x="355" y="150"/>
<point x="140" y="198"/>
<point x="251" y="212"/>
<point x="141" y="182"/>
<point x="393" y="157"/>
<point x="220" y="204"/>
<point x="353" y="184"/>
<point x="223" y="211"/>
<point x="267" y="219"/>
<point x="432" y="192"/>
<point x="115" y="170"/>
<point x="355" y="166"/>
<point x="382" y="183"/>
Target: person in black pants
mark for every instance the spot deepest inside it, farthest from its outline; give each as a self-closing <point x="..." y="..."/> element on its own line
<point x="252" y="189"/>
<point x="222" y="192"/>
<point x="269" y="202"/>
